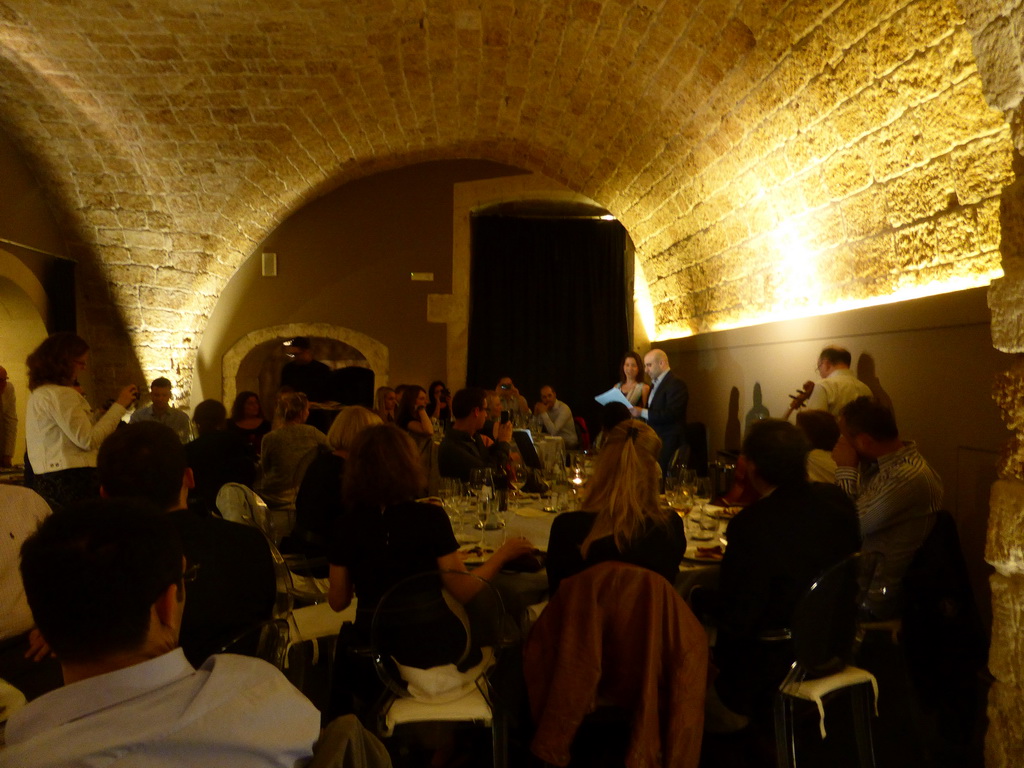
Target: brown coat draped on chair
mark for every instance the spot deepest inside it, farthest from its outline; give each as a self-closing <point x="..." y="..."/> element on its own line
<point x="619" y="634"/>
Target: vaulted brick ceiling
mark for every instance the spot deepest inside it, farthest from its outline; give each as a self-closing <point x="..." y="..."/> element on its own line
<point x="767" y="157"/>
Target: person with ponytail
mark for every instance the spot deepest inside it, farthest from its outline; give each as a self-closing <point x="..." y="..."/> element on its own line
<point x="621" y="518"/>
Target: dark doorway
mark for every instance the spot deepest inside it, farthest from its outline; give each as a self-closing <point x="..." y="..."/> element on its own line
<point x="551" y="303"/>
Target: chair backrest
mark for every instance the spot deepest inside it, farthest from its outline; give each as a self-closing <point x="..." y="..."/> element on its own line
<point x="241" y="504"/>
<point x="940" y="615"/>
<point x="418" y="623"/>
<point x="267" y="640"/>
<point x="582" y="433"/>
<point x="825" y="620"/>
<point x="622" y="633"/>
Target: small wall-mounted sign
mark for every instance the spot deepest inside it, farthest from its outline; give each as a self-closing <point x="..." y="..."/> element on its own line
<point x="270" y="265"/>
<point x="424" y="277"/>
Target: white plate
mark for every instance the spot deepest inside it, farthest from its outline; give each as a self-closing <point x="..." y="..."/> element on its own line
<point x="476" y="554"/>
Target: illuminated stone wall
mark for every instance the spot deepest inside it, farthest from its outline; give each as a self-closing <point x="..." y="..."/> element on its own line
<point x="857" y="162"/>
<point x="766" y="158"/>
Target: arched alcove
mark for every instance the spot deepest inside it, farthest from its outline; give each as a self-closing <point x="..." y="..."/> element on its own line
<point x="252" y="362"/>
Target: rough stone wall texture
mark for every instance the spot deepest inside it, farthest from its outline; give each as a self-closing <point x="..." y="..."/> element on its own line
<point x="997" y="29"/>
<point x="750" y="148"/>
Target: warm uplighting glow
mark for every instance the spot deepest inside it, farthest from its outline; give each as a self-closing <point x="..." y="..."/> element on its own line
<point x="906" y="293"/>
<point x="642" y="300"/>
<point x="797" y="267"/>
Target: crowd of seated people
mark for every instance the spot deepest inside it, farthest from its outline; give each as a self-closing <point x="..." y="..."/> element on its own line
<point x="358" y="497"/>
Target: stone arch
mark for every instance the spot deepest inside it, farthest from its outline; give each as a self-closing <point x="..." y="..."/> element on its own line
<point x="376" y="353"/>
<point x="12" y="269"/>
<point x="22" y="312"/>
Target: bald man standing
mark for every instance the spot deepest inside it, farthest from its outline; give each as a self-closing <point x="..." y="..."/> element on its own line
<point x="8" y="420"/>
<point x="666" y="406"/>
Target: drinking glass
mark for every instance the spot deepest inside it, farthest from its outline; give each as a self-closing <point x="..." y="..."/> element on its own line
<point x="702" y="491"/>
<point x="481" y="482"/>
<point x="517" y="475"/>
<point x="450" y="491"/>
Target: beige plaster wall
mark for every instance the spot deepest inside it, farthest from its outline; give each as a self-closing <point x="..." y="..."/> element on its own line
<point x="932" y="358"/>
<point x="345" y="259"/>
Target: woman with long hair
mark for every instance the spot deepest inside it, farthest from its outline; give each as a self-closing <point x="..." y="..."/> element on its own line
<point x="631" y="380"/>
<point x="286" y="449"/>
<point x="247" y="419"/>
<point x="386" y="536"/>
<point x="622" y="518"/>
<point x="439" y="406"/>
<point x="412" y="413"/>
<point x="385" y="402"/>
<point x="60" y="436"/>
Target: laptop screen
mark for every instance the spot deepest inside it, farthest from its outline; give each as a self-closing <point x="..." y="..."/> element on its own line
<point x="524" y="442"/>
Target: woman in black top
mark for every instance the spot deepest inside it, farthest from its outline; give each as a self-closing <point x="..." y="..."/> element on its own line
<point x="412" y="413"/>
<point x="247" y="420"/>
<point x="439" y="407"/>
<point x="386" y="536"/>
<point x="623" y="519"/>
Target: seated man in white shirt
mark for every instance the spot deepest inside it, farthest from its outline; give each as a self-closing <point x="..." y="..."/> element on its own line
<point x="555" y="416"/>
<point x="21" y="511"/>
<point x="161" y="410"/>
<point x="106" y="583"/>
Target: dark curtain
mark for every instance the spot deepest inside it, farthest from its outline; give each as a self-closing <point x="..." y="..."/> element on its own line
<point x="549" y="305"/>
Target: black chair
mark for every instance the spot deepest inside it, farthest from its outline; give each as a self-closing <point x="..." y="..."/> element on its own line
<point x="824" y="635"/>
<point x="944" y="640"/>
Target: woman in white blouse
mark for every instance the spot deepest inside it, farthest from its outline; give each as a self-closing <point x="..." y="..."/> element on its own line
<point x="60" y="435"/>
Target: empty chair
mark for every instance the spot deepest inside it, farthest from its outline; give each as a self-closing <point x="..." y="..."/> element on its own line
<point x="824" y="634"/>
<point x="297" y="576"/>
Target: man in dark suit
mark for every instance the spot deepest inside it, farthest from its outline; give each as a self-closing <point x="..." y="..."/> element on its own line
<point x="666" y="406"/>
<point x="235" y="587"/>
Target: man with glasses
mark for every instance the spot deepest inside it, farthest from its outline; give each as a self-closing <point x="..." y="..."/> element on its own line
<point x="108" y="585"/>
<point x="839" y="385"/>
<point x="237" y="588"/>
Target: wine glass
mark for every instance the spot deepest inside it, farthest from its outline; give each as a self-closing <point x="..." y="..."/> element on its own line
<point x="481" y="482"/>
<point x="702" y="490"/>
<point x="517" y="474"/>
<point x="450" y="490"/>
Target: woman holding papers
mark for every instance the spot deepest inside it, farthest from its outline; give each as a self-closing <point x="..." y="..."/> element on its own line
<point x="631" y="380"/>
